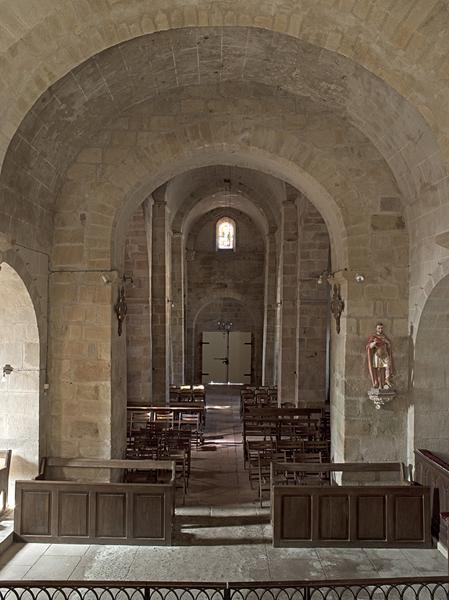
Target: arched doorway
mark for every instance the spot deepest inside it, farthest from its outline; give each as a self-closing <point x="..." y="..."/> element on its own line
<point x="19" y="388"/>
<point x="243" y="331"/>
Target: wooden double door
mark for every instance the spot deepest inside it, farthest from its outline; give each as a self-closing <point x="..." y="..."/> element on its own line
<point x="226" y="357"/>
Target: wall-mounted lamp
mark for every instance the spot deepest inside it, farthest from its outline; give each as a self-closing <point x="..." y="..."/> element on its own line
<point x="330" y="276"/>
<point x="224" y="325"/>
<point x="322" y="277"/>
<point x="128" y="278"/>
<point x="7" y="370"/>
<point x="108" y="277"/>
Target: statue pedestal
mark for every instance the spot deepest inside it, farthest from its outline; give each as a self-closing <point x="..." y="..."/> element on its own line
<point x="381" y="396"/>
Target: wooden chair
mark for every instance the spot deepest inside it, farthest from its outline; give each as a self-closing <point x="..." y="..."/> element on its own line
<point x="191" y="421"/>
<point x="264" y="471"/>
<point x="313" y="446"/>
<point x="301" y="477"/>
<point x="254" y="449"/>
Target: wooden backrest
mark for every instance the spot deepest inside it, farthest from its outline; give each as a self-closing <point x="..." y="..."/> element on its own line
<point x="99" y="463"/>
<point x="385" y="467"/>
<point x="271" y="412"/>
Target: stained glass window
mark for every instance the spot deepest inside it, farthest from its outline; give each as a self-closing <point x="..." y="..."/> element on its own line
<point x="225" y="234"/>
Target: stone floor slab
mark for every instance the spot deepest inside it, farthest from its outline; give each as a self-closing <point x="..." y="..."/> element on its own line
<point x="52" y="567"/>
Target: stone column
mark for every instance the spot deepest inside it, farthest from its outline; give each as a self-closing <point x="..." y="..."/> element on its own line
<point x="159" y="303"/>
<point x="177" y="309"/>
<point x="288" y="334"/>
<point x="148" y="222"/>
<point x="269" y="334"/>
<point x="313" y="305"/>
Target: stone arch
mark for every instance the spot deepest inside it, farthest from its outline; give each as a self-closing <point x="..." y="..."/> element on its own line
<point x="430" y="374"/>
<point x="364" y="36"/>
<point x="131" y="173"/>
<point x="356" y="79"/>
<point x="265" y="201"/>
<point x="13" y="258"/>
<point x="231" y="295"/>
<point x="20" y="392"/>
<point x="255" y="154"/>
<point x="208" y="203"/>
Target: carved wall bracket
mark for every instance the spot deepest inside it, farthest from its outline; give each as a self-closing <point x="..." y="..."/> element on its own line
<point x="381" y="396"/>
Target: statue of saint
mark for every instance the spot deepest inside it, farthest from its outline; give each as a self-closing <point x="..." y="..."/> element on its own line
<point x="380" y="359"/>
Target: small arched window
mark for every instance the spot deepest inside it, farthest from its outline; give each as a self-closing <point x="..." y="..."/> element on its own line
<point x="225" y="234"/>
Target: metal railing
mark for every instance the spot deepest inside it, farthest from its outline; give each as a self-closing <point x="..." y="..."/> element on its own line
<point x="422" y="588"/>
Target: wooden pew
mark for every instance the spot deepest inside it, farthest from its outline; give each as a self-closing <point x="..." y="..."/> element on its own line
<point x="367" y="514"/>
<point x="432" y="470"/>
<point x="93" y="512"/>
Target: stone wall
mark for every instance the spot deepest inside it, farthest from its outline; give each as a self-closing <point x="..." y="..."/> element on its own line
<point x="138" y="323"/>
<point x="313" y="306"/>
<point x="214" y="275"/>
<point x="83" y="390"/>
<point x="137" y="153"/>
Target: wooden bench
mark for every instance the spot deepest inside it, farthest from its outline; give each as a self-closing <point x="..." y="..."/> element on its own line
<point x="432" y="470"/>
<point x="366" y="514"/>
<point x="83" y="511"/>
<point x="5" y="457"/>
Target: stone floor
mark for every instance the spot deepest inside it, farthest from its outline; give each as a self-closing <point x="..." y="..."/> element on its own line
<point x="221" y="533"/>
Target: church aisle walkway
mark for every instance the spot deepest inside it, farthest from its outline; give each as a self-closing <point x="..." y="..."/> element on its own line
<point x="221" y="533"/>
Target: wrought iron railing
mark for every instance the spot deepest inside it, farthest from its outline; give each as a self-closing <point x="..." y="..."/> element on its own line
<point x="423" y="588"/>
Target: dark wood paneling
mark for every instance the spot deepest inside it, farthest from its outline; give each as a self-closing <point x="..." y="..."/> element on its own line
<point x="408" y="519"/>
<point x="80" y="512"/>
<point x="35" y="512"/>
<point x="73" y="514"/>
<point x="151" y="521"/>
<point x="297" y="522"/>
<point x="371" y="518"/>
<point x="333" y="517"/>
<point x="110" y="516"/>
<point x="357" y="516"/>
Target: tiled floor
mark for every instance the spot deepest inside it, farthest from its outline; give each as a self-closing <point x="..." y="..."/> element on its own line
<point x="222" y="534"/>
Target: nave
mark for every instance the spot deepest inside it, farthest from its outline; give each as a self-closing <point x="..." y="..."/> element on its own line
<point x="221" y="533"/>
